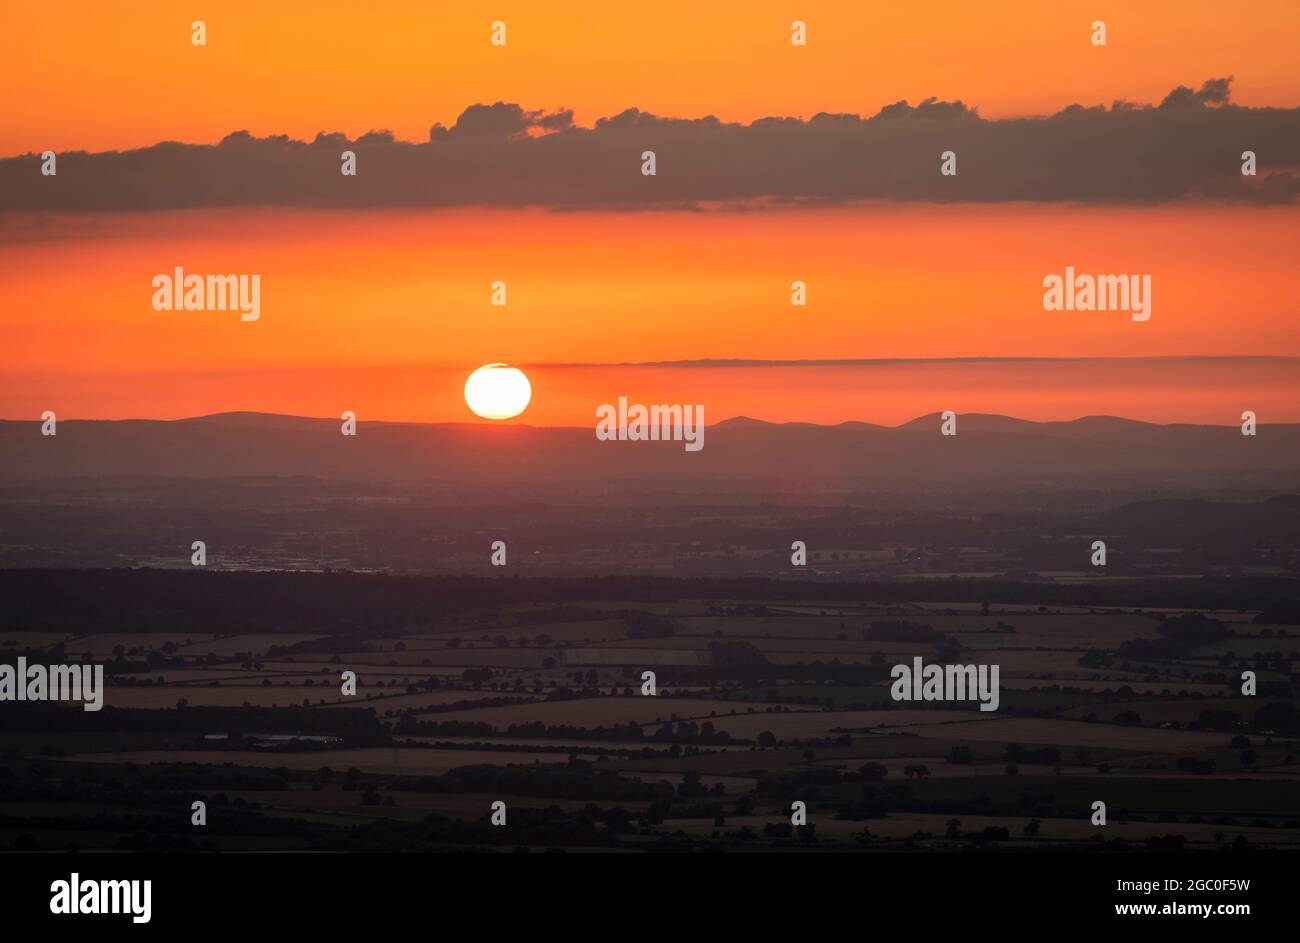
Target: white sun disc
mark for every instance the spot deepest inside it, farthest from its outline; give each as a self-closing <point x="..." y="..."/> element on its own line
<point x="498" y="391"/>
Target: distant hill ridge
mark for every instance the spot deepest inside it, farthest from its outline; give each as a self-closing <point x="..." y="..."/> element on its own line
<point x="989" y="450"/>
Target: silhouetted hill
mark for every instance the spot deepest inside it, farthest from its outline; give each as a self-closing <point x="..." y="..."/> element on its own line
<point x="988" y="452"/>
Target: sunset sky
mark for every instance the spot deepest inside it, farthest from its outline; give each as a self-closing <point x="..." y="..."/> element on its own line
<point x="109" y="76"/>
<point x="386" y="311"/>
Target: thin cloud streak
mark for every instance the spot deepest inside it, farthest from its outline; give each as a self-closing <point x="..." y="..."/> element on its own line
<point x="919" y="361"/>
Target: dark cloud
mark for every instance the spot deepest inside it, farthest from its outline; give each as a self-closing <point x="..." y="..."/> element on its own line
<point x="930" y="108"/>
<point x="1187" y="147"/>
<point x="1213" y="92"/>
<point x="499" y="122"/>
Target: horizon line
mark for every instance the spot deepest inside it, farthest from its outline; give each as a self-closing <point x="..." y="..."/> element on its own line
<point x="738" y="418"/>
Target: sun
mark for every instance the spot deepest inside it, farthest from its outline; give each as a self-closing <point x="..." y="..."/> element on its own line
<point x="498" y="391"/>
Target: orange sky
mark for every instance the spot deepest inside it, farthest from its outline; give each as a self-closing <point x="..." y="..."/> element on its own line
<point x="96" y="76"/>
<point x="387" y="312"/>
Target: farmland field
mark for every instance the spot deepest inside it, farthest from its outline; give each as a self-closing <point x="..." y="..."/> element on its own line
<point x="752" y="706"/>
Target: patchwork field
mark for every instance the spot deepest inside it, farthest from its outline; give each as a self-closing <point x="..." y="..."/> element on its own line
<point x="421" y="762"/>
<point x="606" y="711"/>
<point x="756" y="705"/>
